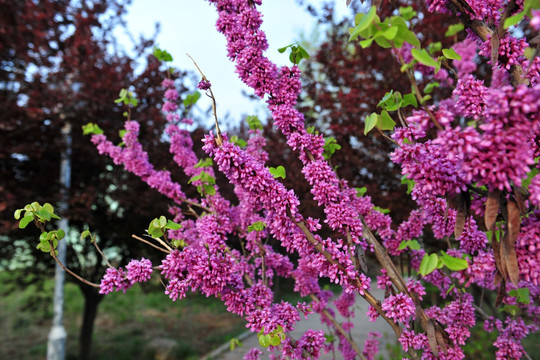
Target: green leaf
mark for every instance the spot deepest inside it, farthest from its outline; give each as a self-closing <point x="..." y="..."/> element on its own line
<point x="429" y="87"/>
<point x="407" y="36"/>
<point x="277" y="172"/>
<point x="428" y="264"/>
<point x="17" y="214"/>
<point x="209" y="189"/>
<point x="530" y="176"/>
<point x="85" y="234"/>
<point x="453" y="263"/>
<point x="60" y="234"/>
<point x="91" y="128"/>
<point x="162" y="221"/>
<point x="370" y="122"/>
<point x="256" y="226"/>
<point x="49" y="208"/>
<point x="412" y="244"/>
<point x="234" y="342"/>
<point x="191" y="99"/>
<point x="27" y="219"/>
<point x="390" y="33"/>
<point x="522" y="295"/>
<point x="388" y="96"/>
<point x="43" y="215"/>
<point x="275" y="340"/>
<point x="366" y="43"/>
<point x="238" y="142"/>
<point x="303" y="52"/>
<point x="407" y="12"/>
<point x="330" y="147"/>
<point x="171" y="225"/>
<point x="451" y="54"/>
<point x="381" y="210"/>
<point x="204" y="163"/>
<point x="162" y="55"/>
<point x="386" y="121"/>
<point x="409" y="99"/>
<point x="408" y="182"/>
<point x="511" y="309"/>
<point x="361" y="191"/>
<point x="454" y="29"/>
<point x="422" y="56"/>
<point x="364" y="23"/>
<point x="434" y="47"/>
<point x="254" y="122"/>
<point x="264" y="340"/>
<point x="514" y="20"/>
<point x="283" y="49"/>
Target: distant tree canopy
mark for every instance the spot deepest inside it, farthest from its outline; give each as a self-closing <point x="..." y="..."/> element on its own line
<point x="59" y="65"/>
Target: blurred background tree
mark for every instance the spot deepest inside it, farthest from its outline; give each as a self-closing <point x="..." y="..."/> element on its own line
<point x="60" y="64"/>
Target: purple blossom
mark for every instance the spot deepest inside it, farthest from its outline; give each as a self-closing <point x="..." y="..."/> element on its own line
<point x="467" y="50"/>
<point x="311" y="343"/>
<point x="399" y="307"/>
<point x="535" y="20"/>
<point x="139" y="270"/>
<point x="253" y="354"/>
<point x="345" y="304"/>
<point x="114" y="279"/>
<point x="204" y="85"/>
<point x="528" y="249"/>
<point x="471" y="97"/>
<point x="371" y="345"/>
<point x="410" y="339"/>
<point x="471" y="239"/>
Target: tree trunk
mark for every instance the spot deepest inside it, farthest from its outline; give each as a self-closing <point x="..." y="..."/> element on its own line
<point x="92" y="298"/>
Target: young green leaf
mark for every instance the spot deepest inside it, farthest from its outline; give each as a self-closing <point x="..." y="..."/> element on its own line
<point x="451" y="54"/>
<point x="361" y="191"/>
<point x="254" y="122"/>
<point x="386" y="121"/>
<point x="514" y="20"/>
<point x="454" y="29"/>
<point x="330" y="147"/>
<point x="453" y="263"/>
<point x="423" y="57"/>
<point x="409" y="99"/>
<point x="278" y="172"/>
<point x="364" y="23"/>
<point x="428" y="264"/>
<point x="171" y="225"/>
<point x="207" y="162"/>
<point x="407" y="12"/>
<point x="256" y="226"/>
<point x="27" y="219"/>
<point x="429" y="87"/>
<point x="371" y="122"/>
<point x="522" y="295"/>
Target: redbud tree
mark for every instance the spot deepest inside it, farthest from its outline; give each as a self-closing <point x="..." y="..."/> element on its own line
<point x="470" y="160"/>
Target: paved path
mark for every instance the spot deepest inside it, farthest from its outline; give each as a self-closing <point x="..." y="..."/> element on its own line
<point x="362" y="327"/>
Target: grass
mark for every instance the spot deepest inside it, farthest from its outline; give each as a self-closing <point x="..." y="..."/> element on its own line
<point x="125" y="327"/>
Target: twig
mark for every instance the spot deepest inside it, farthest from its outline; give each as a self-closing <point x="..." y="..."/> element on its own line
<point x="219" y="138"/>
<point x="71" y="272"/>
<point x="153" y="245"/>
<point x="101" y="253"/>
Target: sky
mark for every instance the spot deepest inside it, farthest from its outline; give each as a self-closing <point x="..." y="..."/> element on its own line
<point x="189" y="27"/>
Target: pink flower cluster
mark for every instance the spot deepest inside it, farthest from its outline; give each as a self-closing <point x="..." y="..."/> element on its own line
<point x="399" y="307"/>
<point x="119" y="279"/>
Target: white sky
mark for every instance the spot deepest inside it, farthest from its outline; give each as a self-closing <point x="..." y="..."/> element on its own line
<point x="189" y="27"/>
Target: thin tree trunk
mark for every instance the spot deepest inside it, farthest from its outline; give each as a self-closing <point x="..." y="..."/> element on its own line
<point x="92" y="298"/>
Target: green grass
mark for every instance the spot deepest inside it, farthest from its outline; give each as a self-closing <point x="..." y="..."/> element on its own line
<point x="124" y="327"/>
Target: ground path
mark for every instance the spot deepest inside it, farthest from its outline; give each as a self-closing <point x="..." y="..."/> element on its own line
<point x="362" y="327"/>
